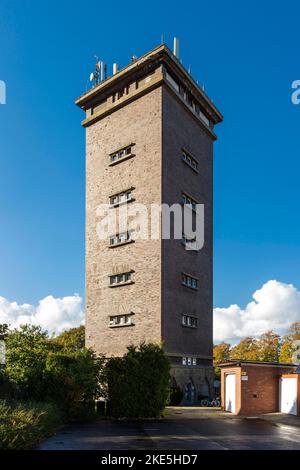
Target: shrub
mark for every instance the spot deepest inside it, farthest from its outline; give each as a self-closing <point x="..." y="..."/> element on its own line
<point x="24" y="426"/>
<point x="26" y="352"/>
<point x="43" y="369"/>
<point x="71" y="340"/>
<point x="73" y="381"/>
<point x="175" y="397"/>
<point x="138" y="383"/>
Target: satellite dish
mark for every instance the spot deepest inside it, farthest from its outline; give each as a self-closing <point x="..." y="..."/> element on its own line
<point x="92" y="77"/>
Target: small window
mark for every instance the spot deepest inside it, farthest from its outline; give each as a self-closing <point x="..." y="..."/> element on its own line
<point x="189" y="361"/>
<point x="120" y="279"/>
<point x="189" y="281"/>
<point x="113" y="240"/>
<point x="184" y="361"/>
<point x="188" y="239"/>
<point x="121" y="198"/>
<point x="194" y="361"/>
<point x="121" y="154"/>
<point x="188" y="201"/>
<point x="113" y="280"/>
<point x="190" y="321"/>
<point x="120" y="238"/>
<point x="121" y="320"/>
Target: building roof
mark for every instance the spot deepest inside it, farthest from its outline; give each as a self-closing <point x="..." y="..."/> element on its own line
<point x="240" y="362"/>
<point x="163" y="54"/>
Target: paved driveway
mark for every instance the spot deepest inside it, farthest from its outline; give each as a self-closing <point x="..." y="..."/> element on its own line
<point x="181" y="429"/>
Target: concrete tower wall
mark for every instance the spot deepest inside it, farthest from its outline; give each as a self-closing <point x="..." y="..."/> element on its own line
<point x="181" y="131"/>
<point x="154" y="108"/>
<point x="140" y="123"/>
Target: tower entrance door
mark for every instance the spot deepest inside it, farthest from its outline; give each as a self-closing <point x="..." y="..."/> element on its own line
<point x="190" y="394"/>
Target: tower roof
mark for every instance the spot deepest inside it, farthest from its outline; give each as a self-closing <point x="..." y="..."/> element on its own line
<point x="146" y="63"/>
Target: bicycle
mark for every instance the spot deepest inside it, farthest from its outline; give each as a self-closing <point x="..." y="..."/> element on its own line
<point x="211" y="402"/>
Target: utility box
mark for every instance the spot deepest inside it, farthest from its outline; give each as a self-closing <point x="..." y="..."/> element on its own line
<point x="253" y="388"/>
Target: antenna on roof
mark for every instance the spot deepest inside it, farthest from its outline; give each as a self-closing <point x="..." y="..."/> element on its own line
<point x="176" y="48"/>
<point x="94" y="76"/>
<point x="99" y="75"/>
<point x="103" y="70"/>
<point x="115" y="68"/>
<point x="133" y="58"/>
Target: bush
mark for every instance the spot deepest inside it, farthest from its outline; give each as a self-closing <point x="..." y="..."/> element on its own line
<point x="24" y="426"/>
<point x="73" y="382"/>
<point x="138" y="383"/>
<point x="175" y="397"/>
<point x="42" y="369"/>
<point x="6" y="388"/>
<point x="71" y="340"/>
<point x="26" y="353"/>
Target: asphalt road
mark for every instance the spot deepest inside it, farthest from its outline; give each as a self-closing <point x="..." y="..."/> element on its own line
<point x="181" y="429"/>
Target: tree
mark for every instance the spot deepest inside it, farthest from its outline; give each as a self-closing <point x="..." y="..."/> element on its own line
<point x="269" y="347"/>
<point x="72" y="340"/>
<point x="3" y="330"/>
<point x="26" y="352"/>
<point x="72" y="379"/>
<point x="246" y="349"/>
<point x="288" y="348"/>
<point x="221" y="352"/>
<point x="138" y="383"/>
<point x="294" y="331"/>
<point x="61" y="371"/>
<point x="286" y="352"/>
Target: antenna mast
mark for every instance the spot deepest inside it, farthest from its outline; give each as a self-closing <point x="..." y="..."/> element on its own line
<point x="100" y="73"/>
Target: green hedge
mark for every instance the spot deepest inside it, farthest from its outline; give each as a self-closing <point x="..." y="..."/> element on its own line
<point x="26" y="425"/>
<point x="50" y="370"/>
<point x="138" y="383"/>
<point x="72" y="382"/>
<point x="176" y="396"/>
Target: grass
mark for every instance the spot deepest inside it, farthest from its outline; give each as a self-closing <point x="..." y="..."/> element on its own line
<point x="26" y="425"/>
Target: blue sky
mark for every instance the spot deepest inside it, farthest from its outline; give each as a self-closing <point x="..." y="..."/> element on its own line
<point x="245" y="53"/>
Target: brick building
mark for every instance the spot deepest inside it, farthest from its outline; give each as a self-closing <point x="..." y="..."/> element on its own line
<point x="251" y="388"/>
<point x="149" y="139"/>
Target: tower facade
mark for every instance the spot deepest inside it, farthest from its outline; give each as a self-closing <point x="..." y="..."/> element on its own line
<point x="149" y="141"/>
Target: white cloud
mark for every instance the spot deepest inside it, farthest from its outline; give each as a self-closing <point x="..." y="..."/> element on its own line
<point x="52" y="314"/>
<point x="275" y="306"/>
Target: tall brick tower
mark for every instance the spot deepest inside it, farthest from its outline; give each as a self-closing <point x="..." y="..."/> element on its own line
<point x="149" y="140"/>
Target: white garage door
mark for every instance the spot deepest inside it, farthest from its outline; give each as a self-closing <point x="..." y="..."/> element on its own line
<point x="288" y="395"/>
<point x="230" y="393"/>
